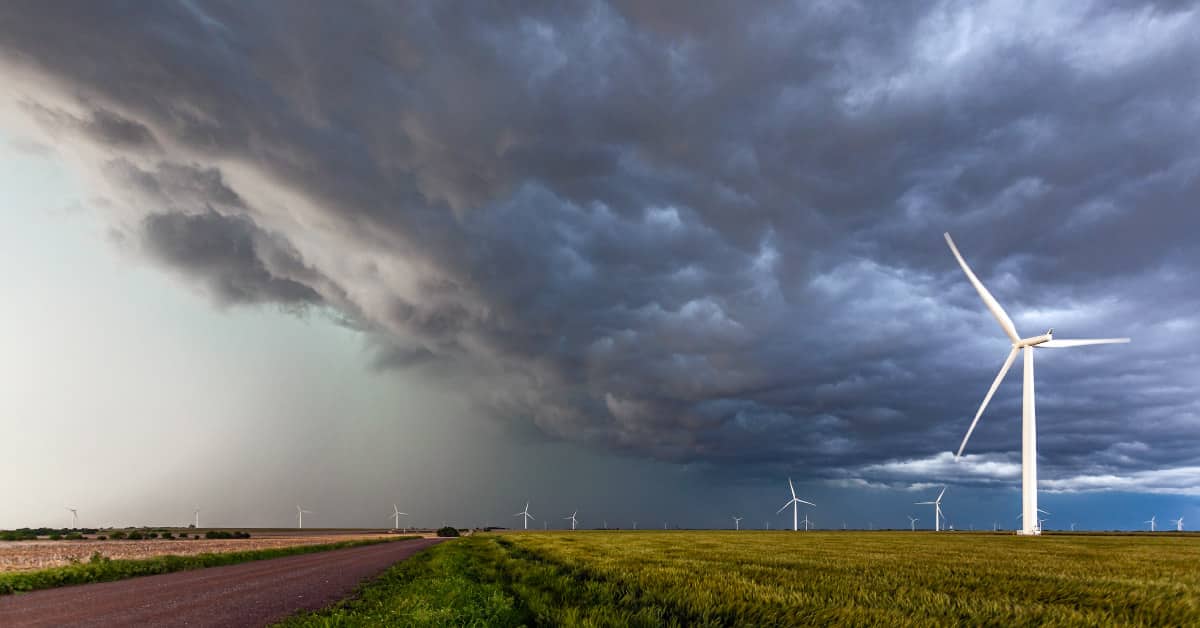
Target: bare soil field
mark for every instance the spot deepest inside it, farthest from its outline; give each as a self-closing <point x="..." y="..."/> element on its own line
<point x="31" y="555"/>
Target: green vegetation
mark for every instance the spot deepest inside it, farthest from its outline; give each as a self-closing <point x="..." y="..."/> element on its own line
<point x="447" y="531"/>
<point x="31" y="534"/>
<point x="225" y="534"/>
<point x="783" y="578"/>
<point x="102" y="569"/>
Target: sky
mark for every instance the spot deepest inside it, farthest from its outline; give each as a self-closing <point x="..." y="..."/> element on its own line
<point x="643" y="261"/>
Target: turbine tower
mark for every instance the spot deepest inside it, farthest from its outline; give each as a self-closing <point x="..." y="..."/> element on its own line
<point x="525" y="514"/>
<point x="1178" y="523"/>
<point x="196" y="517"/>
<point x="795" y="504"/>
<point x="396" y="516"/>
<point x="572" y="518"/>
<point x="937" y="510"/>
<point x="74" y="517"/>
<point x="1151" y="522"/>
<point x="1028" y="415"/>
<point x="806" y="522"/>
<point x="912" y="521"/>
<point x="300" y="516"/>
<point x="737" y="523"/>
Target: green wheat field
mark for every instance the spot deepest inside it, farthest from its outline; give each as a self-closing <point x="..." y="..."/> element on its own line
<point x="606" y="578"/>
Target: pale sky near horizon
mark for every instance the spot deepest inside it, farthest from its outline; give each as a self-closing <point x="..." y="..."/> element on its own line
<point x="641" y="262"/>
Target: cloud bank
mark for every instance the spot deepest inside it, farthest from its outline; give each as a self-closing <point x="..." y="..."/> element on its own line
<point x="703" y="235"/>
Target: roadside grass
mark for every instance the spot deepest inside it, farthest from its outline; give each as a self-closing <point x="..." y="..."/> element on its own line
<point x="780" y="579"/>
<point x="102" y="569"/>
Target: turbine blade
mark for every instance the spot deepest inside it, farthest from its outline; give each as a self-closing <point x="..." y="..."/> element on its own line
<point x="793" y="488"/>
<point x="988" y="300"/>
<point x="1059" y="344"/>
<point x="1012" y="355"/>
<point x="804" y="502"/>
<point x="781" y="509"/>
<point x="941" y="493"/>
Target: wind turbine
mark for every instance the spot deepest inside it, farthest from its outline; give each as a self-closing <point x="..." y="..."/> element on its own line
<point x="1028" y="415"/>
<point x="737" y="523"/>
<point x="795" y="504"/>
<point x="74" y="517"/>
<point x="634" y="525"/>
<point x="806" y="522"/>
<point x="1072" y="526"/>
<point x="572" y="518"/>
<point x="1039" y="521"/>
<point x="1151" y="522"/>
<point x="526" y="515"/>
<point x="196" y="515"/>
<point x="912" y="521"/>
<point x="396" y="516"/>
<point x="300" y="516"/>
<point x="937" y="510"/>
<point x="1178" y="523"/>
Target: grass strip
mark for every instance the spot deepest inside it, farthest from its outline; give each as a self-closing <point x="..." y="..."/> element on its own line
<point x="103" y="569"/>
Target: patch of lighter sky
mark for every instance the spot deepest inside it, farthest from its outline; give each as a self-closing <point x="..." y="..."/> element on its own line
<point x="132" y="398"/>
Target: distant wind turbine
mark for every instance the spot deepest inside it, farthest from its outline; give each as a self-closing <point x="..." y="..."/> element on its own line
<point x="912" y="521"/>
<point x="525" y="514"/>
<point x="74" y="517"/>
<point x="300" y="516"/>
<point x="634" y="525"/>
<point x="1039" y="521"/>
<point x="572" y="518"/>
<point x="1028" y="414"/>
<point x="795" y="504"/>
<point x="396" y="516"/>
<point x="937" y="510"/>
<point x="806" y="522"/>
<point x="1178" y="523"/>
<point x="737" y="523"/>
<point x="196" y="517"/>
<point x="1072" y="526"/>
<point x="1151" y="522"/>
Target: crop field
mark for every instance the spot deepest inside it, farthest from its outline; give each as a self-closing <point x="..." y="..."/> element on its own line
<point x="33" y="555"/>
<point x="785" y="578"/>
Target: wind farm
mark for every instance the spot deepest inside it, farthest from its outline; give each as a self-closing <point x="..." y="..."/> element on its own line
<point x="270" y="265"/>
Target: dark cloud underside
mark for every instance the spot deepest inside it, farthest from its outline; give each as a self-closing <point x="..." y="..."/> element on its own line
<point x="692" y="233"/>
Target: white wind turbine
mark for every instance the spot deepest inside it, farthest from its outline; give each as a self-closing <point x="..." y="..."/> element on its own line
<point x="1178" y="523"/>
<point x="912" y="521"/>
<point x="74" y="517"/>
<point x="1028" y="415"/>
<point x="937" y="510"/>
<point x="300" y="516"/>
<point x="795" y="504"/>
<point x="396" y="516"/>
<point x="737" y="523"/>
<point x="806" y="522"/>
<point x="196" y="517"/>
<point x="1151" y="522"/>
<point x="1040" y="522"/>
<point x="571" y="517"/>
<point x="526" y="515"/>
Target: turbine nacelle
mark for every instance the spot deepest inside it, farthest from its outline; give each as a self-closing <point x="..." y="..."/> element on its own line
<point x="1034" y="341"/>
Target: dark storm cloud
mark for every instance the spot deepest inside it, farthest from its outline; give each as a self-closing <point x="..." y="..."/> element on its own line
<point x="696" y="233"/>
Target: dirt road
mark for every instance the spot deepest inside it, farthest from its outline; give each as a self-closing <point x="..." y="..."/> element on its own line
<point x="249" y="594"/>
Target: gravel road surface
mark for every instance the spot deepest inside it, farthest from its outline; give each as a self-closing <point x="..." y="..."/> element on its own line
<point x="249" y="594"/>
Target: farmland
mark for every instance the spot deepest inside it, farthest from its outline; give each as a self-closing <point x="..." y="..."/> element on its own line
<point x="782" y="578"/>
<point x="42" y="554"/>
